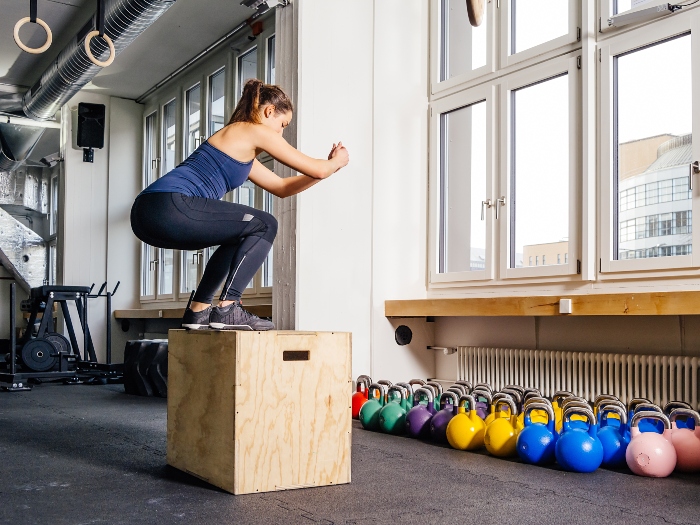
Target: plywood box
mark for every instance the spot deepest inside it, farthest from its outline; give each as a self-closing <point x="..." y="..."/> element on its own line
<point x="260" y="411"/>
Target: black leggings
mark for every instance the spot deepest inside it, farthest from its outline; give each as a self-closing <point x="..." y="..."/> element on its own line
<point x="179" y="222"/>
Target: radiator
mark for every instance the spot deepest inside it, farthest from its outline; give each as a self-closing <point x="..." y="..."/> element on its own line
<point x="658" y="378"/>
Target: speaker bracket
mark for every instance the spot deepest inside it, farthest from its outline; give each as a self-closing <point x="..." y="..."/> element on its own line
<point x="88" y="154"/>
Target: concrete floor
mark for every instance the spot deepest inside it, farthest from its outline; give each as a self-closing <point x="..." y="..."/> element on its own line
<point x="92" y="454"/>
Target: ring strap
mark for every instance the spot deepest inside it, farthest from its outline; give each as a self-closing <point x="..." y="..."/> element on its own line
<point x="32" y="11"/>
<point x="100" y="17"/>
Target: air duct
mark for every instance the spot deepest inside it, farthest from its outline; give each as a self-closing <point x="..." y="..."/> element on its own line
<point x="16" y="144"/>
<point x="124" y="21"/>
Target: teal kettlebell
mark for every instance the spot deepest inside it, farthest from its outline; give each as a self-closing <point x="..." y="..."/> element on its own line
<point x="369" y="413"/>
<point x="392" y="416"/>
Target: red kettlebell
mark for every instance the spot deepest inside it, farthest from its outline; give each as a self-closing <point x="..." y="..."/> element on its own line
<point x="686" y="441"/>
<point x="651" y="454"/>
<point x="361" y="396"/>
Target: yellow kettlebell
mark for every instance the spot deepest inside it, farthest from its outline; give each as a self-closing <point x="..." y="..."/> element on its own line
<point x="556" y="404"/>
<point x="501" y="435"/>
<point x="493" y="410"/>
<point x="465" y="431"/>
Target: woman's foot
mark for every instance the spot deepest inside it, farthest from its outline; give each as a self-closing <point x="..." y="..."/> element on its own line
<point x="233" y="315"/>
<point x="196" y="320"/>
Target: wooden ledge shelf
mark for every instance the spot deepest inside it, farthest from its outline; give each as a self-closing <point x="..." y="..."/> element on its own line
<point x="261" y="310"/>
<point x="646" y="303"/>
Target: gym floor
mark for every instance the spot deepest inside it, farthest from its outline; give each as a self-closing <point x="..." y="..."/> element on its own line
<point x="92" y="454"/>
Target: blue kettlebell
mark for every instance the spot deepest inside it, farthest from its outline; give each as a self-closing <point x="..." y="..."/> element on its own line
<point x="645" y="425"/>
<point x="606" y="399"/>
<point x="578" y="421"/>
<point x="537" y="441"/>
<point x="578" y="449"/>
<point x="613" y="436"/>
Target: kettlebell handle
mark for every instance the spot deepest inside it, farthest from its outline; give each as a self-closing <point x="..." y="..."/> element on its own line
<point x="580" y="410"/>
<point x="397" y="388"/>
<point x="465" y="384"/>
<point x="428" y="393"/>
<point x="482" y="393"/>
<point x="507" y="400"/>
<point x="605" y="408"/>
<point x="560" y="395"/>
<point x="450" y="395"/>
<point x="650" y="415"/>
<point x="537" y="405"/>
<point x="685" y="412"/>
<point x="534" y="399"/>
<point x="377" y="386"/>
<point x="469" y="399"/>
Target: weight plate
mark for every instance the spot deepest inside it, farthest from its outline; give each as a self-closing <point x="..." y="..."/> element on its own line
<point x="39" y="355"/>
<point x="59" y="341"/>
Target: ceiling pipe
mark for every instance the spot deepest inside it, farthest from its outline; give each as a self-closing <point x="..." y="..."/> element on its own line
<point x="72" y="69"/>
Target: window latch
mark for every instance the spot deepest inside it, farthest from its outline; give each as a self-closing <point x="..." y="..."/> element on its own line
<point x="502" y="202"/>
<point x="484" y="204"/>
<point x="694" y="168"/>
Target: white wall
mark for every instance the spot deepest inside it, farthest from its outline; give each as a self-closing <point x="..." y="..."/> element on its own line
<point x="361" y="234"/>
<point x="98" y="244"/>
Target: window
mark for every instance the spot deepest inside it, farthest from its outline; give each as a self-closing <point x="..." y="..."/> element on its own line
<point x="192" y="119"/>
<point x="247" y="68"/>
<point x="150" y="169"/>
<point x="647" y="200"/>
<point x="537" y="260"/>
<point x="530" y="261"/>
<point x="559" y="258"/>
<point x="463" y="47"/>
<point x="270" y="70"/>
<point x="169" y="119"/>
<point x="216" y="102"/>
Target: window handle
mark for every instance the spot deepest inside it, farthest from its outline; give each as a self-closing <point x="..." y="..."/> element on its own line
<point x="488" y="203"/>
<point x="153" y="264"/>
<point x="196" y="257"/>
<point x="694" y="168"/>
<point x="502" y="202"/>
<point x="154" y="163"/>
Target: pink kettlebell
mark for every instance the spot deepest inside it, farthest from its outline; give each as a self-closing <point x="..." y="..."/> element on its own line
<point x="651" y="454"/>
<point x="686" y="441"/>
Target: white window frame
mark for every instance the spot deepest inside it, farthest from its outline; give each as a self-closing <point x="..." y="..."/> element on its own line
<point x="529" y="76"/>
<point x="436" y="85"/>
<point x="572" y="37"/>
<point x="629" y="41"/>
<point x="148" y="265"/>
<point x="487" y="93"/>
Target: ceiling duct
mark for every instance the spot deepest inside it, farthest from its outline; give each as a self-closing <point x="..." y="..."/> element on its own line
<point x="16" y="144"/>
<point x="72" y="69"/>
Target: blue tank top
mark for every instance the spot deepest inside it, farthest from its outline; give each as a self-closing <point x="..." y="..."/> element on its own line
<point x="208" y="173"/>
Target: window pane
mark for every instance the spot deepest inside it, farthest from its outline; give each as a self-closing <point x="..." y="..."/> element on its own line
<point x="247" y="68"/>
<point x="271" y="60"/>
<point x="654" y="149"/>
<point x="169" y="136"/>
<point x="165" y="272"/>
<point x="539" y="201"/>
<point x="53" y="225"/>
<point x="463" y="47"/>
<point x="147" y="280"/>
<point x="150" y="168"/>
<point x="534" y="22"/>
<point x="268" y="206"/>
<point x="620" y="6"/>
<point x="462" y="189"/>
<point x="216" y="102"/>
<point x="192" y="118"/>
<point x="189" y="274"/>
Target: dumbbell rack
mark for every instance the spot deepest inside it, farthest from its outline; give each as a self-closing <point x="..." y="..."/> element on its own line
<point x="72" y="367"/>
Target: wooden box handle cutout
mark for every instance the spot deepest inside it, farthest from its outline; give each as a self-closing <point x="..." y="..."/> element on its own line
<point x="295" y="355"/>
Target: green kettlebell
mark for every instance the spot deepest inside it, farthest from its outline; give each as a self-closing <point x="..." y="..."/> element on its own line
<point x="369" y="413"/>
<point x="408" y="404"/>
<point x="392" y="416"/>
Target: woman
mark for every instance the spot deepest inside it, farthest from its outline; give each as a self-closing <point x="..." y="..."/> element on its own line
<point x="182" y="210"/>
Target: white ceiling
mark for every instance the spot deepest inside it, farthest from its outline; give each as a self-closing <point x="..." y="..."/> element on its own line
<point x="184" y="30"/>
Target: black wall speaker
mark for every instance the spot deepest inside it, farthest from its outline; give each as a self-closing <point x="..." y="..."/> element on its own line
<point x="91" y="125"/>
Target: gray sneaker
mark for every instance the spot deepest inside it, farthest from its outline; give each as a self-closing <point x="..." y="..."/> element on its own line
<point x="196" y="320"/>
<point x="234" y="317"/>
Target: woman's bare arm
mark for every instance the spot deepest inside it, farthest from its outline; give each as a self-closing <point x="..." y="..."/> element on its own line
<point x="278" y="186"/>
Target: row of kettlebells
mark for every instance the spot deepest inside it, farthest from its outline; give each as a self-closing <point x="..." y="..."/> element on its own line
<point x="521" y="422"/>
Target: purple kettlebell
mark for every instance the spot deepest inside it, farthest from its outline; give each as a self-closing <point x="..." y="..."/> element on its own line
<point x="418" y="418"/>
<point x="438" y="425"/>
<point x="483" y="402"/>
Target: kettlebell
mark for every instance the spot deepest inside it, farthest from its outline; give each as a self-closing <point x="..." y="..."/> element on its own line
<point x="579" y="449"/>
<point x="501" y="434"/>
<point x="483" y="402"/>
<point x="686" y="441"/>
<point x="361" y="395"/>
<point x="494" y="406"/>
<point x="605" y="399"/>
<point x="369" y="413"/>
<point x="438" y="392"/>
<point x="483" y="386"/>
<point x="614" y="437"/>
<point x="465" y="384"/>
<point x="577" y="420"/>
<point x="557" y="399"/>
<point x="418" y="418"/>
<point x="651" y="454"/>
<point x="649" y="425"/>
<point x="439" y="422"/>
<point x="466" y="430"/>
<point x="680" y="423"/>
<point x="536" y="442"/>
<point x="392" y="416"/>
<point x="537" y="415"/>
<point x="408" y="402"/>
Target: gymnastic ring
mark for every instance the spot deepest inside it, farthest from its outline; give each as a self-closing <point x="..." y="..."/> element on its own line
<point x="92" y="58"/>
<point x="37" y="50"/>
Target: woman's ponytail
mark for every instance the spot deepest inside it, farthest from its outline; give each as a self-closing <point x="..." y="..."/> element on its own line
<point x="255" y="95"/>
